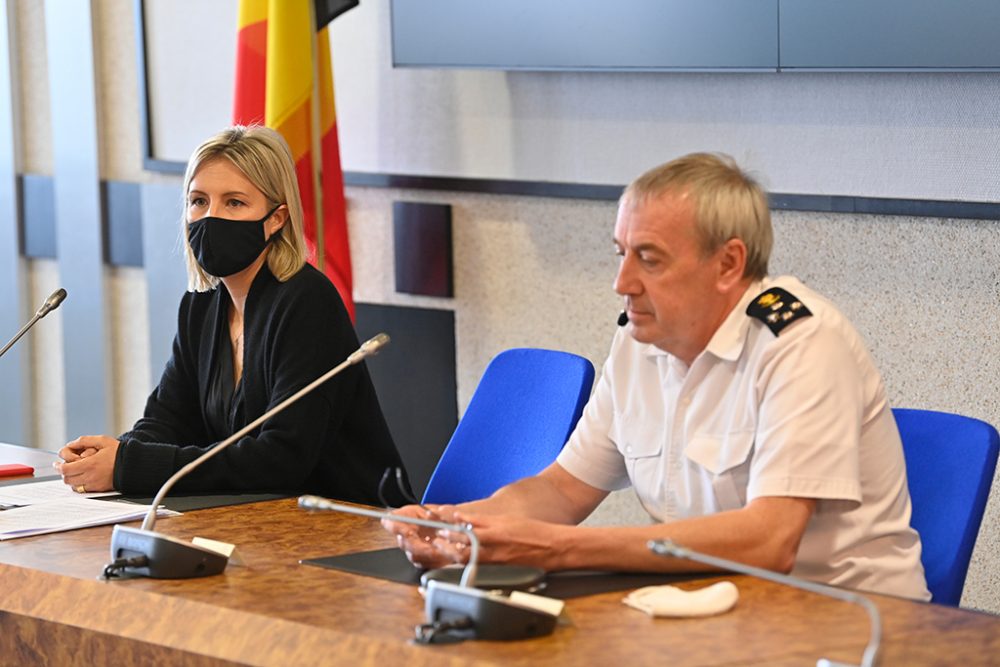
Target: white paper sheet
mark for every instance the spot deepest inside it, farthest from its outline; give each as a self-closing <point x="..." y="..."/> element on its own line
<point x="32" y="493"/>
<point x="68" y="514"/>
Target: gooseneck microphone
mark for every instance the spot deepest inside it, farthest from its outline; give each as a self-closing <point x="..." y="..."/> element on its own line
<point x="870" y="655"/>
<point x="47" y="307"/>
<point x="468" y="573"/>
<point x="449" y="607"/>
<point x="141" y="551"/>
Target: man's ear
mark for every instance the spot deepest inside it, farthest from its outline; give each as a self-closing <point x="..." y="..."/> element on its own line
<point x="732" y="258"/>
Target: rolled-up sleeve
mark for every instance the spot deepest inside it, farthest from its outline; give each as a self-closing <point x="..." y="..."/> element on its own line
<point x="591" y="455"/>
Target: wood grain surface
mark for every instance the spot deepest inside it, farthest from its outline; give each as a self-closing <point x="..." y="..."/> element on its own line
<point x="273" y="611"/>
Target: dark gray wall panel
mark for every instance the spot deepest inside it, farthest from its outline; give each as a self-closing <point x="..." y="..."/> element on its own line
<point x="122" y="223"/>
<point x="15" y="392"/>
<point x="86" y="330"/>
<point x="907" y="34"/>
<point x="415" y="380"/>
<point x="586" y="34"/>
<point x="38" y="216"/>
<point x="166" y="278"/>
<point x="422" y="248"/>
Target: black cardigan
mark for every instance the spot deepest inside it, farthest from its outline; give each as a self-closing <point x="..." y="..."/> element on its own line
<point x="332" y="442"/>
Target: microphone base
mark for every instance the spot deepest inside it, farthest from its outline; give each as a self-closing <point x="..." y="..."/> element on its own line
<point x="495" y="577"/>
<point x="491" y="615"/>
<point x="166" y="557"/>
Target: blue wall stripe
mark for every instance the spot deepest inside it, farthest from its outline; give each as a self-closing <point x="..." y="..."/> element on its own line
<point x="122" y="219"/>
<point x="15" y="388"/>
<point x="927" y="208"/>
<point x="491" y="186"/>
<point x="779" y="201"/>
<point x="38" y="216"/>
<point x="79" y="239"/>
<point x="122" y="223"/>
<point x="166" y="277"/>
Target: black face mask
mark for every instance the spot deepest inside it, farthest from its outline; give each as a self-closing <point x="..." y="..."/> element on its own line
<point x="224" y="247"/>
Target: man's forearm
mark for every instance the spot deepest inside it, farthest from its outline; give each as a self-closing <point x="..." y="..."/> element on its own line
<point x="766" y="536"/>
<point x="531" y="498"/>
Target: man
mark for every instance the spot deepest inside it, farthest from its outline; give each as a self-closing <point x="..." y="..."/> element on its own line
<point x="745" y="411"/>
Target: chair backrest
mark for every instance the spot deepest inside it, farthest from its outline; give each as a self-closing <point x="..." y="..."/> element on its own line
<point x="950" y="461"/>
<point x="523" y="411"/>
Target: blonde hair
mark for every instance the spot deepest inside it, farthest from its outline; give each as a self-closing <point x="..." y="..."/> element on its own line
<point x="727" y="202"/>
<point x="265" y="159"/>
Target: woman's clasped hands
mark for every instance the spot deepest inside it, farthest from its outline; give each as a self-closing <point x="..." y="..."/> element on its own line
<point x="88" y="463"/>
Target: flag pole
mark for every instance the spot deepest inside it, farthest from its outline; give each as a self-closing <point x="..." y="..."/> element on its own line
<point x="316" y="150"/>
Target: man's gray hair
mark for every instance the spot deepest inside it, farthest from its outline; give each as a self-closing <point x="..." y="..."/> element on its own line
<point x="727" y="203"/>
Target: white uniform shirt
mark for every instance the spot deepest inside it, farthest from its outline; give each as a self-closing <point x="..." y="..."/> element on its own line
<point x="801" y="414"/>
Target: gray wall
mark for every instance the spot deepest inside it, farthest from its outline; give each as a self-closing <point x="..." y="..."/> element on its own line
<point x="536" y="271"/>
<point x="904" y="135"/>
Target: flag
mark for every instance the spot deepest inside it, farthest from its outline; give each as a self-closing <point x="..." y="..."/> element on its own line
<point x="277" y="77"/>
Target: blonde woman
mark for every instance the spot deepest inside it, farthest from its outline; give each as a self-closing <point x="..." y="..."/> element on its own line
<point x="256" y="325"/>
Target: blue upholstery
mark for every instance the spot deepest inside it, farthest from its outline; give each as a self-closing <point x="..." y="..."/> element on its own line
<point x="950" y="461"/>
<point x="524" y="409"/>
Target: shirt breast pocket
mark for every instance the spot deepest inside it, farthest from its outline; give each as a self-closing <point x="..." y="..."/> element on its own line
<point x="725" y="460"/>
<point x="641" y="444"/>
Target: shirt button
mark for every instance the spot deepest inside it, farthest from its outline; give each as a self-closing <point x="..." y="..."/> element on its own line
<point x="628" y="448"/>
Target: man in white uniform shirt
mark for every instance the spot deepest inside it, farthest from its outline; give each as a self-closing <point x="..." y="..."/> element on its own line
<point x="744" y="410"/>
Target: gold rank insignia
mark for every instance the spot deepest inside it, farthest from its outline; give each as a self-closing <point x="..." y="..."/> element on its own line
<point x="777" y="308"/>
<point x="767" y="298"/>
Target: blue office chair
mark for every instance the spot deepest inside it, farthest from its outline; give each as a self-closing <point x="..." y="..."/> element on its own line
<point x="950" y="461"/>
<point x="524" y="409"/>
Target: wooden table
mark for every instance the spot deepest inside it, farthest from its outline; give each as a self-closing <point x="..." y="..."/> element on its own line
<point x="274" y="611"/>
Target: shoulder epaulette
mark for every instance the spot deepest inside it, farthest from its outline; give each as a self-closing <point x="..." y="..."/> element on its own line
<point x="777" y="308"/>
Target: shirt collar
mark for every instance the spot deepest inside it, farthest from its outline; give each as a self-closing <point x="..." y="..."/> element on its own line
<point x="727" y="341"/>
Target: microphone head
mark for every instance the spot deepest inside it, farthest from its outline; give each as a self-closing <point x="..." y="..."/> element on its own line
<point x="377" y="341"/>
<point x="311" y="502"/>
<point x="374" y="344"/>
<point x="56" y="297"/>
<point x="52" y="302"/>
<point x="368" y="348"/>
<point x="622" y="319"/>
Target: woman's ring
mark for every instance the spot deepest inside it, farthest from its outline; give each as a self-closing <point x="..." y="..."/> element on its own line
<point x="80" y="489"/>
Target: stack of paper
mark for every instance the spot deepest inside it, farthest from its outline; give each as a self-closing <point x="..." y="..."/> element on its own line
<point x="33" y="493"/>
<point x="51" y="506"/>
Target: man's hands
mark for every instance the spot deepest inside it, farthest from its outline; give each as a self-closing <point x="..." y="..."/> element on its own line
<point x="88" y="463"/>
<point x="502" y="538"/>
<point x="524" y="523"/>
<point x="424" y="547"/>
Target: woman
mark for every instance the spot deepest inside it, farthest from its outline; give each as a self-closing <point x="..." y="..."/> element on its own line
<point x="256" y="325"/>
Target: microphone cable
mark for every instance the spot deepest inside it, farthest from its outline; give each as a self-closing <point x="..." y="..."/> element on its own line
<point x="452" y="631"/>
<point x="114" y="569"/>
